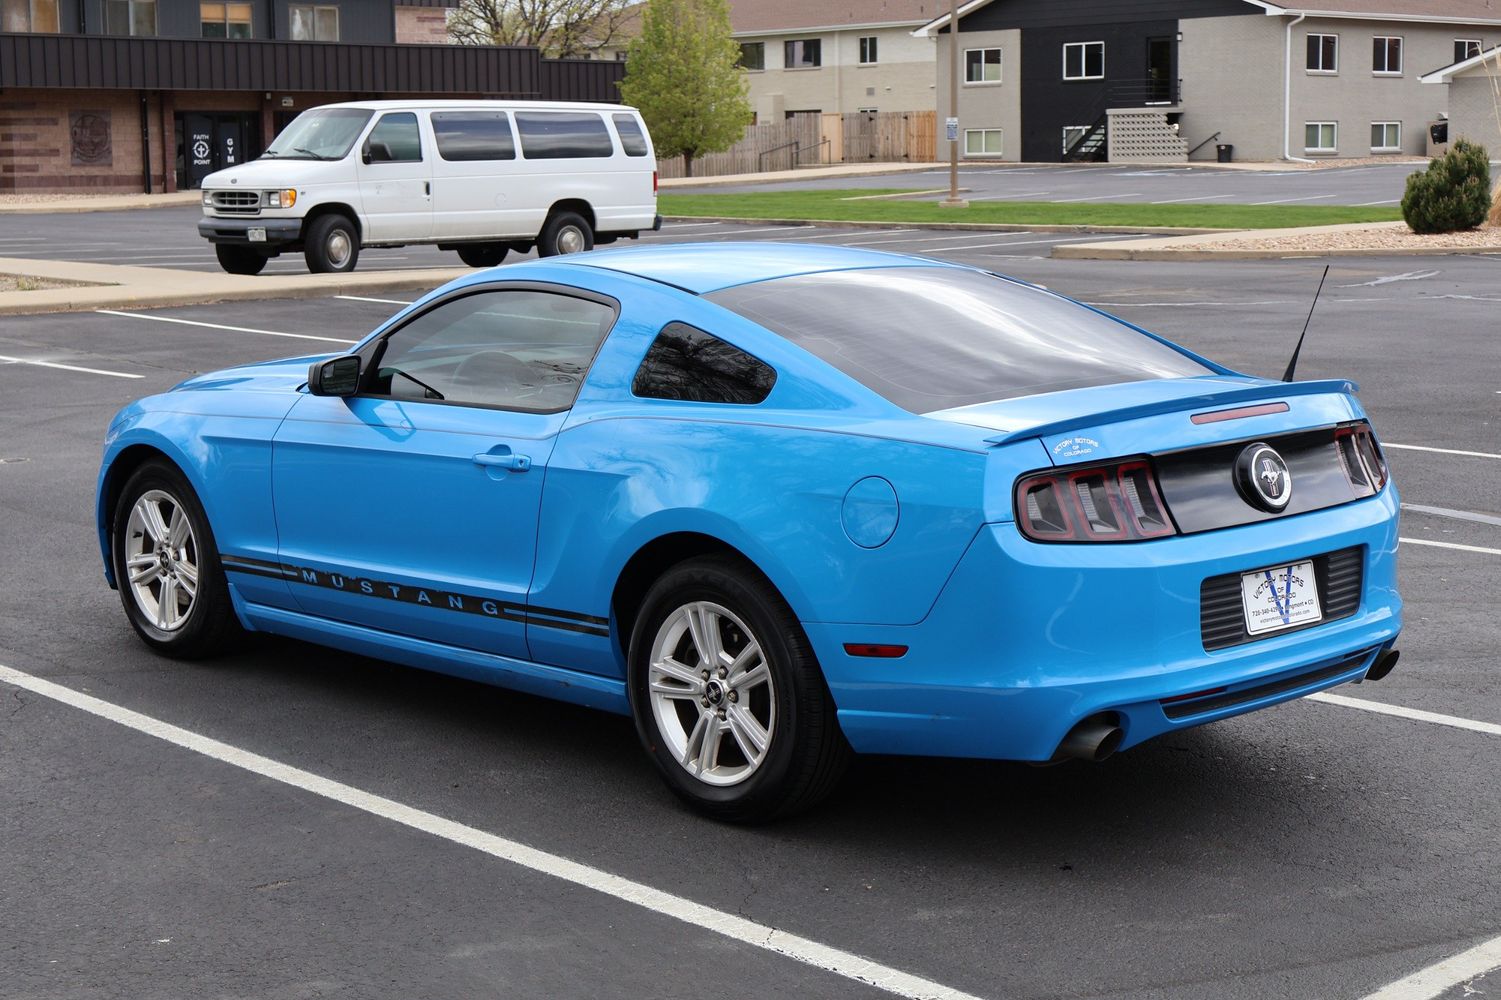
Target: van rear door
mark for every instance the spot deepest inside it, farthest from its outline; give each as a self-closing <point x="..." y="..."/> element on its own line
<point x="395" y="172"/>
<point x="473" y="174"/>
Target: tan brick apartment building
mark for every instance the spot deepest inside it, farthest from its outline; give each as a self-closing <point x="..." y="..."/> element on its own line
<point x="152" y="95"/>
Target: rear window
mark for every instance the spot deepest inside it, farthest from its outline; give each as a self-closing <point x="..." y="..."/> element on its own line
<point x="474" y="135"/>
<point x="930" y="338"/>
<point x="632" y="139"/>
<point x="552" y="135"/>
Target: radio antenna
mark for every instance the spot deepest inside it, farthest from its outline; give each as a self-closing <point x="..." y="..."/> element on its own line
<point x="1292" y="365"/>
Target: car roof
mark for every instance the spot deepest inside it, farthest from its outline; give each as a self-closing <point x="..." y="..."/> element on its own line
<point x="421" y="104"/>
<point x="701" y="268"/>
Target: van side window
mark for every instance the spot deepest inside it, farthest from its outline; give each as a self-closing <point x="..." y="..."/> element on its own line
<point x="632" y="139"/>
<point x="553" y="135"/>
<point x="474" y="135"/>
<point x="686" y="363"/>
<point x="395" y="139"/>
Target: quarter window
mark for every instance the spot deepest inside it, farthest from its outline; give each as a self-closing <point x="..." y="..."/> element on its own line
<point x="1466" y="48"/>
<point x="130" y="17"/>
<point x="1323" y="53"/>
<point x="632" y="139"/>
<point x="804" y="53"/>
<point x="1386" y="54"/>
<point x="689" y="364"/>
<point x="511" y="349"/>
<point x="225" y="20"/>
<point x="395" y="139"/>
<point x="1320" y="137"/>
<point x="28" y="15"/>
<point x="868" y="49"/>
<point x="982" y="65"/>
<point x="753" y="55"/>
<point x="314" y="23"/>
<point x="549" y="135"/>
<point x="473" y="135"/>
<point x="982" y="142"/>
<point x="1084" y="60"/>
<point x="1386" y="137"/>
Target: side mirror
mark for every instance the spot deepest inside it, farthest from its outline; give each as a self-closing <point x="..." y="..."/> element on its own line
<point x="335" y="377"/>
<point x="365" y="155"/>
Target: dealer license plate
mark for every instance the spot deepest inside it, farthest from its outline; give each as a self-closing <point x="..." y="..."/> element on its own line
<point x="257" y="235"/>
<point x="1280" y="598"/>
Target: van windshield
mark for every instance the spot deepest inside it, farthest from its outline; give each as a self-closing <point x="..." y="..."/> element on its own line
<point x="320" y="134"/>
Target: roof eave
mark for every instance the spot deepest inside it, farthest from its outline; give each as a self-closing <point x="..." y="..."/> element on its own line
<point x="763" y="32"/>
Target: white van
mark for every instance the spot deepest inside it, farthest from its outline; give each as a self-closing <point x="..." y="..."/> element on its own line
<point x="479" y="177"/>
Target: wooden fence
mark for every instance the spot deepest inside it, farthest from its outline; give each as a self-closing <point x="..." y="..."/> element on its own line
<point x="810" y="140"/>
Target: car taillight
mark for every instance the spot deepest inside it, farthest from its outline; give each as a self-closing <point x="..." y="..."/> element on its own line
<point x="1105" y="503"/>
<point x="1361" y="456"/>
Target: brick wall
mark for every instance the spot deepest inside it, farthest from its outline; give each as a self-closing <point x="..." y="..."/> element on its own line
<point x="422" y="26"/>
<point x="76" y="140"/>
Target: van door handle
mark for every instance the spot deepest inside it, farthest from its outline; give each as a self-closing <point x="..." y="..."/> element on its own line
<point x="427" y="188"/>
<point x="505" y="460"/>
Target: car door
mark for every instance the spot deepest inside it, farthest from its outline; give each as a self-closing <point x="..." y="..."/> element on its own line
<point x="412" y="506"/>
<point x="395" y="177"/>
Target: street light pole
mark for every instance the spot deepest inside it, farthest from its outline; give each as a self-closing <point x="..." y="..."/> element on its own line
<point x="952" y="125"/>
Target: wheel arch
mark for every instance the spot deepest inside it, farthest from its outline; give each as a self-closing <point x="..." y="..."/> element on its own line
<point x="578" y="205"/>
<point x="112" y="482"/>
<point x="334" y="208"/>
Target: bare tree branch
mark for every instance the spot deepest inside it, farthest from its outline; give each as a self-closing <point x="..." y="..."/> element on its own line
<point x="560" y="28"/>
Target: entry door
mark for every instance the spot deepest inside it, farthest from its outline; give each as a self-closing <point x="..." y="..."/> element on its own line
<point x="395" y="174"/>
<point x="412" y="507"/>
<point x="229" y="142"/>
<point x="1162" y="70"/>
<point x="198" y="147"/>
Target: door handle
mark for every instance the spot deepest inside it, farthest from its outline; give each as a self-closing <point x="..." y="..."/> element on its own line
<point x="507" y="460"/>
<point x="427" y="188"/>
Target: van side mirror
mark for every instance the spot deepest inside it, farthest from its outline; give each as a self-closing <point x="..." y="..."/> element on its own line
<point x="335" y="377"/>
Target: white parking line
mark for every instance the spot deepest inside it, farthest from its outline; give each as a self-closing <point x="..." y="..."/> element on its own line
<point x="1387" y="201"/>
<point x="855" y="232"/>
<point x="1179" y="201"/>
<point x="1437" y="979"/>
<point x="932" y="238"/>
<point x="743" y="232"/>
<point x="1285" y="201"/>
<point x="220" y="326"/>
<point x="7" y="359"/>
<point x="1100" y="197"/>
<point x="361" y="298"/>
<point x="1451" y="545"/>
<point x="1441" y="451"/>
<point x="1459" y="515"/>
<point x="1027" y="243"/>
<point x="1415" y="714"/>
<point x="801" y="949"/>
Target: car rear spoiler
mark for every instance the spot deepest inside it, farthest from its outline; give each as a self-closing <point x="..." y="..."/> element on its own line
<point x="1223" y="397"/>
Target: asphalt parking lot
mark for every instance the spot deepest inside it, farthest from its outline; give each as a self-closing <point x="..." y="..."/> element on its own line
<point x="1317" y="849"/>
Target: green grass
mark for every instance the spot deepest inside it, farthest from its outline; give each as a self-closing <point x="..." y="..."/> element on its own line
<point x="835" y="206"/>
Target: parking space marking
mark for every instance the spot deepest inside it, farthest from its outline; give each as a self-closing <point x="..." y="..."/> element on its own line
<point x="1415" y="714"/>
<point x="840" y="963"/>
<point x="1179" y="201"/>
<point x="1451" y="545"/>
<point x="1437" y="979"/>
<point x="220" y="326"/>
<point x="361" y="298"/>
<point x="1285" y="201"/>
<point x="1441" y="451"/>
<point x="7" y="359"/>
<point x="850" y="232"/>
<point x="1103" y="197"/>
<point x="1027" y="243"/>
<point x="1459" y="515"/>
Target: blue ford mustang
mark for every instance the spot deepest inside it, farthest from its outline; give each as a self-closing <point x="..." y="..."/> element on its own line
<point x="779" y="503"/>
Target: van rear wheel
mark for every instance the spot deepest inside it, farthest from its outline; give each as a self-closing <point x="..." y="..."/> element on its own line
<point x="332" y="244"/>
<point x="565" y="232"/>
<point x="483" y="254"/>
<point x="240" y="260"/>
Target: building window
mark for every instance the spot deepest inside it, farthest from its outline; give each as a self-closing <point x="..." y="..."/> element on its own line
<point x="28" y="15"/>
<point x="1084" y="60"/>
<point x="225" y="20"/>
<point x="868" y="50"/>
<point x="1320" y="137"/>
<point x="1386" y="137"/>
<point x="1386" y="55"/>
<point x="982" y="65"/>
<point x="752" y="55"/>
<point x="983" y="142"/>
<point x="1072" y="134"/>
<point x="1323" y="53"/>
<point x="868" y="111"/>
<point x="806" y="53"/>
<point x="313" y="23"/>
<point x="1466" y="48"/>
<point x="130" y="17"/>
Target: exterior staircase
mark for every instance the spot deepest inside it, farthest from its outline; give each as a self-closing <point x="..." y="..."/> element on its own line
<point x="1144" y="135"/>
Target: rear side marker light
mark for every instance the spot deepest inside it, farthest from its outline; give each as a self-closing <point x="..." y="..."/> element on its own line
<point x="1361" y="457"/>
<point x="880" y="651"/>
<point x="1108" y="503"/>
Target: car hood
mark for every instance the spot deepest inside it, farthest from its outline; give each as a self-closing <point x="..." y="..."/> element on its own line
<point x="276" y="173"/>
<point x="285" y="375"/>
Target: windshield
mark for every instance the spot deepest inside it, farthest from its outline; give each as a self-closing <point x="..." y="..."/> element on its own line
<point x="320" y="134"/>
<point x="931" y="338"/>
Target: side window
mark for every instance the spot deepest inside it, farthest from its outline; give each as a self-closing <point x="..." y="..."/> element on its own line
<point x="474" y="135"/>
<point x="686" y="363"/>
<point x="514" y="348"/>
<point x="553" y="135"/>
<point x="395" y="139"/>
<point x="632" y="139"/>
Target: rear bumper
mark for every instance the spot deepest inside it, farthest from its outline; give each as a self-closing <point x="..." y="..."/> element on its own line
<point x="1026" y="640"/>
<point x="236" y="232"/>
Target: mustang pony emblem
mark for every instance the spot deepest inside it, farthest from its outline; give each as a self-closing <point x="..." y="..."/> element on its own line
<point x="1262" y="477"/>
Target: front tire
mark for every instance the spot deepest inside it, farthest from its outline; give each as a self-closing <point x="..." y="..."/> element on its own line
<point x="565" y="232"/>
<point x="483" y="254"/>
<point x="728" y="697"/>
<point x="239" y="260"/>
<point x="167" y="566"/>
<point x="332" y="245"/>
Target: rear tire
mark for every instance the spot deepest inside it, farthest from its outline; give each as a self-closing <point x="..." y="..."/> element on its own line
<point x="483" y="254"/>
<point x="565" y="232"/>
<point x="758" y="738"/>
<point x="332" y="245"/>
<point x="167" y="566"/>
<point x="240" y="260"/>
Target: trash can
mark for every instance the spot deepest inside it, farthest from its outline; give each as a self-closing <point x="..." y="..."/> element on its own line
<point x="1225" y="151"/>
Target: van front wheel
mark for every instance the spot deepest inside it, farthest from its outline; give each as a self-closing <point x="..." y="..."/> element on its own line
<point x="565" y="232"/>
<point x="332" y="245"/>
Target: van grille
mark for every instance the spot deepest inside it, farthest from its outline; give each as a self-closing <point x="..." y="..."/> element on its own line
<point x="237" y="202"/>
<point x="1222" y="620"/>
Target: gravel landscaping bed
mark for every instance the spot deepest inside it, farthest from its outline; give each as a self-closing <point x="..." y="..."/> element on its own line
<point x="26" y="283"/>
<point x="1378" y="236"/>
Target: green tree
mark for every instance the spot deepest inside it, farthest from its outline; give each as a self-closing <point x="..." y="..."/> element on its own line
<point x="682" y="72"/>
<point x="1453" y="194"/>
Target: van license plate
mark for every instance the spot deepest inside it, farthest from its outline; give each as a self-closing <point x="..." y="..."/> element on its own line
<point x="257" y="235"/>
<point x="1280" y="598"/>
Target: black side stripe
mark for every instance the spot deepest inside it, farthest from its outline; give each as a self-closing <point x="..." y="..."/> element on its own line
<point x="487" y="607"/>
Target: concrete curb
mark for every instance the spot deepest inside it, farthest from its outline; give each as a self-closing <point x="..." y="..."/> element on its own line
<point x="121" y="203"/>
<point x="985" y="227"/>
<point x="1113" y="251"/>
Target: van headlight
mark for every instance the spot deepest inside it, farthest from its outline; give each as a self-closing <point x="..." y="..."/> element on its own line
<point x="285" y="198"/>
<point x="208" y="197"/>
